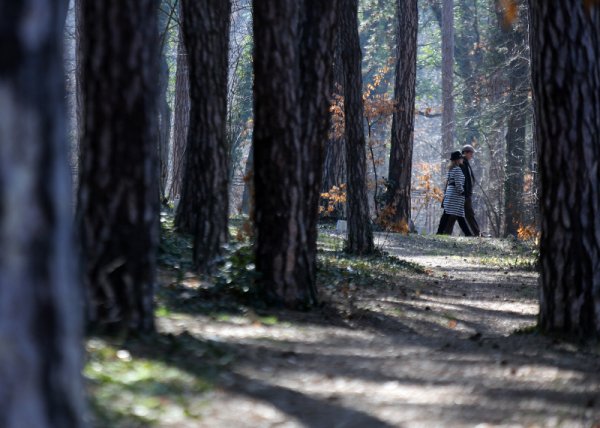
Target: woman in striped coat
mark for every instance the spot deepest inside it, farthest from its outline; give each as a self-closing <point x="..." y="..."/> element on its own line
<point x="454" y="198"/>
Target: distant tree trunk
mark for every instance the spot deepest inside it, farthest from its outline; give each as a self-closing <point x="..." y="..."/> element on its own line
<point x="360" y="234"/>
<point x="334" y="166"/>
<point x="447" y="78"/>
<point x="468" y="56"/>
<point x="181" y="120"/>
<point x="40" y="322"/>
<point x="164" y="111"/>
<point x="518" y="104"/>
<point x="204" y="207"/>
<point x="118" y="192"/>
<point x="566" y="89"/>
<point x="291" y="95"/>
<point x="400" y="166"/>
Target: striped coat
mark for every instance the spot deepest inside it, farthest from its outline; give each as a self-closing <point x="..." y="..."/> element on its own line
<point x="454" y="199"/>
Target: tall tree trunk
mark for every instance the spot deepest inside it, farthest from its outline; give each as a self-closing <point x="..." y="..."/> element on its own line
<point x="468" y="56"/>
<point x="278" y="185"/>
<point x="291" y="103"/>
<point x="360" y="234"/>
<point x="334" y="166"/>
<point x="400" y="166"/>
<point x="118" y="192"/>
<point x="447" y="77"/>
<point x="518" y="103"/>
<point x="181" y="120"/>
<point x="204" y="206"/>
<point x="164" y="111"/>
<point x="565" y="47"/>
<point x="40" y="322"/>
<point x="316" y="69"/>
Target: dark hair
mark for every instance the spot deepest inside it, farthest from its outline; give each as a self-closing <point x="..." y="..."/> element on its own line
<point x="455" y="155"/>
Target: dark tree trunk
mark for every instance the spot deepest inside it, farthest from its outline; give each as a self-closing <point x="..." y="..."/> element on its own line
<point x="164" y="111"/>
<point x="40" y="318"/>
<point x="280" y="241"/>
<point x="565" y="48"/>
<point x="447" y="78"/>
<point x="291" y="102"/>
<point x="181" y="120"/>
<point x="316" y="69"/>
<point x="334" y="167"/>
<point x="518" y="103"/>
<point x="118" y="192"/>
<point x="204" y="207"/>
<point x="360" y="234"/>
<point x="400" y="166"/>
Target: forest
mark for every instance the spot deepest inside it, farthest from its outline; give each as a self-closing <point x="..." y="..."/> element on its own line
<point x="241" y="213"/>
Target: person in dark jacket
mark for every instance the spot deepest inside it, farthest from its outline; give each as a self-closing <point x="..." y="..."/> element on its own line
<point x="454" y="197"/>
<point x="468" y="152"/>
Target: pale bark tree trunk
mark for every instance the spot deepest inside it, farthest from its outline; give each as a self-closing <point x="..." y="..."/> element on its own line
<point x="360" y="234"/>
<point x="468" y="57"/>
<point x="565" y="47"/>
<point x="40" y="306"/>
<point x="164" y="111"/>
<point x="118" y="192"/>
<point x="447" y="78"/>
<point x="518" y="104"/>
<point x="400" y="166"/>
<point x="181" y="120"/>
<point x="204" y="207"/>
<point x="291" y="92"/>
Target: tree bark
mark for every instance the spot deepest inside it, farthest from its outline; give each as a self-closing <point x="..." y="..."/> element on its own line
<point x="468" y="56"/>
<point x="181" y="120"/>
<point x="291" y="92"/>
<point x="400" y="166"/>
<point x="334" y="167"/>
<point x="565" y="47"/>
<point x="447" y="78"/>
<point x="518" y="103"/>
<point x="316" y="70"/>
<point x="164" y="111"/>
<point x="360" y="234"/>
<point x="40" y="322"/>
<point x="204" y="207"/>
<point x="118" y="193"/>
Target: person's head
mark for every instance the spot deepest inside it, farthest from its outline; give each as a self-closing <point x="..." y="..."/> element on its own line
<point x="455" y="159"/>
<point x="468" y="151"/>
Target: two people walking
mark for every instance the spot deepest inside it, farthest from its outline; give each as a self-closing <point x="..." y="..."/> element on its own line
<point x="458" y="196"/>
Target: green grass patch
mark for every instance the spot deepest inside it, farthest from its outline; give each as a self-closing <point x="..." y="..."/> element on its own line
<point x="157" y="380"/>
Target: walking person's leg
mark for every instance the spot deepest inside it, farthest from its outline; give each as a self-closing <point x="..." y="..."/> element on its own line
<point x="464" y="226"/>
<point x="450" y="224"/>
<point x="443" y="223"/>
<point x="470" y="216"/>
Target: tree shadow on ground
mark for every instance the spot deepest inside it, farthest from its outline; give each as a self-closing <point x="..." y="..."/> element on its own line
<point x="178" y="350"/>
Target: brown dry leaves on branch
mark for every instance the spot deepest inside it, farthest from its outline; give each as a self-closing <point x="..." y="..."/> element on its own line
<point x="334" y="198"/>
<point x="426" y="183"/>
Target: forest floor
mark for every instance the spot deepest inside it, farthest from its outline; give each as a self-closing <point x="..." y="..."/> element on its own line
<point x="436" y="332"/>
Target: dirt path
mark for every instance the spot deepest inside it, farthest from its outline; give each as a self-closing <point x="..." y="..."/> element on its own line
<point x="437" y="350"/>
